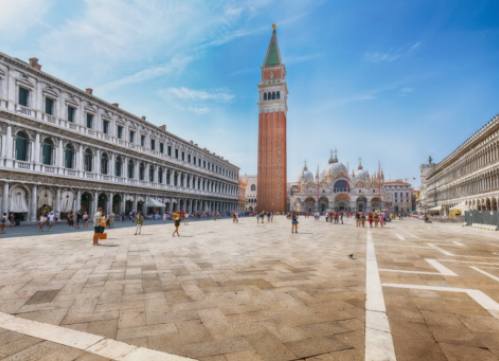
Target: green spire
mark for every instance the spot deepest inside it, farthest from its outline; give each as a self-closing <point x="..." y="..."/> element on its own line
<point x="273" y="56"/>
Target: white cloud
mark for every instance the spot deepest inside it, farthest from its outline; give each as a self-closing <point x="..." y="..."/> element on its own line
<point x="176" y="65"/>
<point x="391" y="55"/>
<point x="188" y="94"/>
<point x="19" y="16"/>
<point x="298" y="59"/>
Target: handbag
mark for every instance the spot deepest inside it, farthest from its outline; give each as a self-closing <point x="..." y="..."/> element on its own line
<point x="103" y="235"/>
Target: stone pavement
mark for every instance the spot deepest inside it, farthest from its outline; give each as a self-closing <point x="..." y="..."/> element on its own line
<point x="244" y="291"/>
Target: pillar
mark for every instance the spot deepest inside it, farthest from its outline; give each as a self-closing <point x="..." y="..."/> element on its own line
<point x="34" y="201"/>
<point x="57" y="206"/>
<point x="109" y="203"/>
<point x="95" y="201"/>
<point x="78" y="201"/>
<point x="5" y="206"/>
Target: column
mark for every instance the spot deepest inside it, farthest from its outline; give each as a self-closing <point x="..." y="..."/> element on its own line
<point x="59" y="155"/>
<point x="95" y="201"/>
<point x="9" y="147"/>
<point x="109" y="203"/>
<point x="96" y="165"/>
<point x="36" y="150"/>
<point x="123" y="204"/>
<point x="79" y="158"/>
<point x="57" y="205"/>
<point x="5" y="206"/>
<point x="78" y="201"/>
<point x="34" y="201"/>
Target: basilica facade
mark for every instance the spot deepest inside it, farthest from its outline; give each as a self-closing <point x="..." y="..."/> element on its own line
<point x="63" y="149"/>
<point x="338" y="189"/>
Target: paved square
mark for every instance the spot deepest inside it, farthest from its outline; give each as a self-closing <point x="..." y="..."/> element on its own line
<point x="244" y="291"/>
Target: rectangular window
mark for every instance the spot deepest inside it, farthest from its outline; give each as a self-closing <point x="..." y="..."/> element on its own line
<point x="176" y="153"/>
<point x="183" y="156"/>
<point x="169" y="150"/>
<point x="119" y="131"/>
<point x="188" y="158"/>
<point x="131" y="136"/>
<point x="142" y="140"/>
<point x="153" y="144"/>
<point x="194" y="160"/>
<point x="90" y="120"/>
<point x="23" y="96"/>
<point x="161" y="148"/>
<point x="71" y="113"/>
<point x="49" y="106"/>
<point x="105" y="126"/>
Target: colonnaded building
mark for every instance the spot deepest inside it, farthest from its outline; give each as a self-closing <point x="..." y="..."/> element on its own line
<point x="66" y="150"/>
<point x="468" y="178"/>
<point x="340" y="190"/>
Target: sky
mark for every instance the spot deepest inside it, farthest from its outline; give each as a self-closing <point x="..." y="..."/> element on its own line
<point x="386" y="81"/>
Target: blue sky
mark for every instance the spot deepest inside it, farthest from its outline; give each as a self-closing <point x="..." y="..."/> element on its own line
<point x="389" y="81"/>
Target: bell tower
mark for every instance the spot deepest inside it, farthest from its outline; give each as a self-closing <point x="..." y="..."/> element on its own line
<point x="273" y="95"/>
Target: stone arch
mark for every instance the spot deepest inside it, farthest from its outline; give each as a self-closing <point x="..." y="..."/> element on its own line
<point x="19" y="199"/>
<point x="309" y="204"/>
<point x="47" y="151"/>
<point x="361" y="204"/>
<point x="45" y="201"/>
<point x="323" y="204"/>
<point x="376" y="203"/>
<point x="117" y="204"/>
<point x="102" y="201"/>
<point x="88" y="159"/>
<point x="22" y="146"/>
<point x="86" y="202"/>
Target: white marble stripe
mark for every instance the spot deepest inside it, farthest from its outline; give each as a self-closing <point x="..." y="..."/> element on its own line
<point x="443" y="251"/>
<point x="478" y="296"/>
<point x="441" y="269"/>
<point x="379" y="341"/>
<point x="491" y="276"/>
<point x="83" y="341"/>
<point x="399" y="236"/>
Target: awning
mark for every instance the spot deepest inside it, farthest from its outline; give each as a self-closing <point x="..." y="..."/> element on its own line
<point x="154" y="203"/>
<point x="461" y="207"/>
<point x="435" y="209"/>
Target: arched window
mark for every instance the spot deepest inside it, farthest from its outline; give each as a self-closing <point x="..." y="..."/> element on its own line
<point x="142" y="169"/>
<point x="341" y="186"/>
<point x="160" y="175"/>
<point x="87" y="160"/>
<point x="168" y="176"/>
<point x="118" y="165"/>
<point x="47" y="151"/>
<point x="278" y="95"/>
<point x="151" y="173"/>
<point x="22" y="146"/>
<point x="253" y="188"/>
<point x="69" y="155"/>
<point x="131" y="169"/>
<point x="273" y="95"/>
<point x="104" y="163"/>
<point x="264" y="96"/>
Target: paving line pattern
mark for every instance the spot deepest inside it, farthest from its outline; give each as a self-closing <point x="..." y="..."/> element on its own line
<point x="378" y="339"/>
<point x="97" y="345"/>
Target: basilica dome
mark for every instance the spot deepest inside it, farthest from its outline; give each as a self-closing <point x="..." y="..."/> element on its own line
<point x="307" y="176"/>
<point x="337" y="170"/>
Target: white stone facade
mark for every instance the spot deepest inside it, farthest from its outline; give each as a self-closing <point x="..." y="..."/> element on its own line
<point x="468" y="178"/>
<point x="64" y="149"/>
<point x="250" y="192"/>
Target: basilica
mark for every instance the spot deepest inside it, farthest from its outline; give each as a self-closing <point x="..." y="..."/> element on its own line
<point x="338" y="189"/>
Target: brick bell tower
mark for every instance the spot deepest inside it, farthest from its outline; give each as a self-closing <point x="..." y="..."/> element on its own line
<point x="273" y="94"/>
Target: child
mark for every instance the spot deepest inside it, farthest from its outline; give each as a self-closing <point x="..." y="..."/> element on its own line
<point x="294" y="223"/>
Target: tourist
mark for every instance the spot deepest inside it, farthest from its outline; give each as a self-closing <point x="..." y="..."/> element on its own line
<point x="84" y="218"/>
<point x="51" y="219"/>
<point x="294" y="222"/>
<point x="42" y="222"/>
<point x="376" y="219"/>
<point x="98" y="226"/>
<point x="357" y="219"/>
<point x="341" y="217"/>
<point x="382" y="219"/>
<point x="176" y="223"/>
<point x="139" y="222"/>
<point x="363" y="219"/>
<point x="234" y="218"/>
<point x="3" y="222"/>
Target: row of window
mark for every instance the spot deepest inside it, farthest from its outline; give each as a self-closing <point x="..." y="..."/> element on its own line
<point x="23" y="100"/>
<point x="272" y="95"/>
<point x="47" y="157"/>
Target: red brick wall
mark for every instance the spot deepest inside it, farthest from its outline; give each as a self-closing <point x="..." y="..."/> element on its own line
<point x="271" y="182"/>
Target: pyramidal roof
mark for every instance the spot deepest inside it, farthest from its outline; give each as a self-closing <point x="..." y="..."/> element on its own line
<point x="273" y="56"/>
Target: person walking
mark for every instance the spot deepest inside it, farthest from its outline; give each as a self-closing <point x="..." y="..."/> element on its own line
<point x="84" y="217"/>
<point x="363" y="219"/>
<point x="139" y="222"/>
<point x="294" y="223"/>
<point x="176" y="222"/>
<point x="234" y="218"/>
<point x="42" y="221"/>
<point x="51" y="220"/>
<point x="98" y="228"/>
<point x="3" y="222"/>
